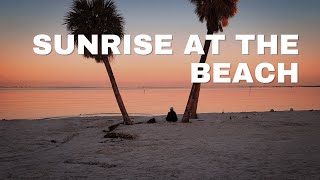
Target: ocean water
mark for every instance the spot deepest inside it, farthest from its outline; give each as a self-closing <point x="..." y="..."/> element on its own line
<point x="65" y="102"/>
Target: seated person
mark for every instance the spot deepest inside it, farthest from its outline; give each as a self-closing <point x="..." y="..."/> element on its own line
<point x="172" y="116"/>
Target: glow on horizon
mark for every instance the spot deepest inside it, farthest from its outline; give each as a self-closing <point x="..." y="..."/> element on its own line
<point x="21" y="67"/>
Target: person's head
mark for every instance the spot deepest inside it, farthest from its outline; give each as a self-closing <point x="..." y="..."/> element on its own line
<point x="171" y="109"/>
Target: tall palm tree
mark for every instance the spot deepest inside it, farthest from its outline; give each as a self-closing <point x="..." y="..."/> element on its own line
<point x="98" y="17"/>
<point x="216" y="14"/>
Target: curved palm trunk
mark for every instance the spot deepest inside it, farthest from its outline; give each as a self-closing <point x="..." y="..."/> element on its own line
<point x="116" y="91"/>
<point x="193" y="112"/>
<point x="191" y="108"/>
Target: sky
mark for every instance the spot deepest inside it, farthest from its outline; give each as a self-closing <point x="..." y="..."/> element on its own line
<point x="21" y="20"/>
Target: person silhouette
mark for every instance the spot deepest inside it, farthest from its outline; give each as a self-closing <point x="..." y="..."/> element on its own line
<point x="172" y="116"/>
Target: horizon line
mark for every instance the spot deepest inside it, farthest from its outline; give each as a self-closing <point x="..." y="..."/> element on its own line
<point x="151" y="87"/>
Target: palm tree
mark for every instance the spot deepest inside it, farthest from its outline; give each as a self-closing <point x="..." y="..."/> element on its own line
<point x="216" y="14"/>
<point x="98" y="17"/>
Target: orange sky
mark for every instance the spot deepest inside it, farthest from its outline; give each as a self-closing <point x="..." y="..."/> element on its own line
<point x="21" y="67"/>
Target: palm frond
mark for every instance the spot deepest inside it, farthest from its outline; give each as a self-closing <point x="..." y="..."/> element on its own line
<point x="94" y="17"/>
<point x="216" y="13"/>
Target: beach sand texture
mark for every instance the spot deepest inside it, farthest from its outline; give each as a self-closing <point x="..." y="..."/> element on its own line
<point x="277" y="145"/>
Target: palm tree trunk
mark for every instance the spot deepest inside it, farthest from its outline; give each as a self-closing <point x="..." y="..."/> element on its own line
<point x="193" y="112"/>
<point x="191" y="108"/>
<point x="116" y="91"/>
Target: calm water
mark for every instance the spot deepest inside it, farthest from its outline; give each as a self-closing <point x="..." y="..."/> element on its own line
<point x="41" y="103"/>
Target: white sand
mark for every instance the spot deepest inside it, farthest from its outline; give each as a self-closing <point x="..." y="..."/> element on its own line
<point x="251" y="145"/>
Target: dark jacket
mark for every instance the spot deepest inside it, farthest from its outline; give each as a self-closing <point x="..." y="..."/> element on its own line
<point x="172" y="116"/>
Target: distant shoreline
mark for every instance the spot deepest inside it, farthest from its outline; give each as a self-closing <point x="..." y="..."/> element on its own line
<point x="134" y="88"/>
<point x="135" y="115"/>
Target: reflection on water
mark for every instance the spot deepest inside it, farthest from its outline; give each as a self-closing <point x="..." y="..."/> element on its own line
<point x="40" y="103"/>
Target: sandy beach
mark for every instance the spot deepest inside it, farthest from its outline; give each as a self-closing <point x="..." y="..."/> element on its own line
<point x="269" y="145"/>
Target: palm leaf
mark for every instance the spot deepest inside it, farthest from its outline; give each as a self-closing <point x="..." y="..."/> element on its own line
<point x="216" y="13"/>
<point x="94" y="17"/>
